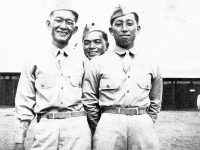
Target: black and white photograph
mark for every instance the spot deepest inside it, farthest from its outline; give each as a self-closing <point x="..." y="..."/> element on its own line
<point x="100" y="75"/>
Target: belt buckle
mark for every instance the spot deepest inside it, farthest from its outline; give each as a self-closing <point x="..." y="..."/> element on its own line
<point x="131" y="111"/>
<point x="61" y="115"/>
<point x="48" y="116"/>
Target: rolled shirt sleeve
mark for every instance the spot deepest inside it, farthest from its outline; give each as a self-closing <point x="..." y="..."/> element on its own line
<point x="24" y="102"/>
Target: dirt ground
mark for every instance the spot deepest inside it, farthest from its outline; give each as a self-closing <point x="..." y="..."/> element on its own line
<point x="177" y="130"/>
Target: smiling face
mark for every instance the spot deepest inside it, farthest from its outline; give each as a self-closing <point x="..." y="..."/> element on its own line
<point x="124" y="29"/>
<point x="94" y="44"/>
<point x="62" y="26"/>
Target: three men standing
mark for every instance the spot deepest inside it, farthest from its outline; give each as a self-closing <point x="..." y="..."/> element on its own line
<point x="122" y="90"/>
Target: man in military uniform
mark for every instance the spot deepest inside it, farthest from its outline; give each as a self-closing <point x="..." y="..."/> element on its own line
<point x="50" y="87"/>
<point x="95" y="41"/>
<point x="122" y="90"/>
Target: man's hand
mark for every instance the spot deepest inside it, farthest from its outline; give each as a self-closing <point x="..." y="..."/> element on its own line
<point x="19" y="146"/>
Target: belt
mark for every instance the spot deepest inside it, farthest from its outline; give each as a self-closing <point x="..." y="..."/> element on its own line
<point x="126" y="111"/>
<point x="62" y="115"/>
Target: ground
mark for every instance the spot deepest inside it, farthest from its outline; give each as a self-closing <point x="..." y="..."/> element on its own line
<point x="177" y="130"/>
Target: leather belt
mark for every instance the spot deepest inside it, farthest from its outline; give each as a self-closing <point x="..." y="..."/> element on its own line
<point x="62" y="115"/>
<point x="126" y="111"/>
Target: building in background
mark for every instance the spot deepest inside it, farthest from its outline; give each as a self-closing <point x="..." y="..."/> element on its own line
<point x="170" y="34"/>
<point x="8" y="87"/>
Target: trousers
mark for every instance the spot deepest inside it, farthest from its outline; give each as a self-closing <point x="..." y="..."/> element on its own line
<point x="121" y="132"/>
<point x="62" y="134"/>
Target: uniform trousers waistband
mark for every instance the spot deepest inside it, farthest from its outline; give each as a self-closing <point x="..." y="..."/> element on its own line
<point x="125" y="111"/>
<point x="62" y="115"/>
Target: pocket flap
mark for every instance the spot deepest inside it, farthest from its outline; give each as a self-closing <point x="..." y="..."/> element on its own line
<point x="45" y="82"/>
<point x="144" y="83"/>
<point x="110" y="83"/>
<point x="76" y="81"/>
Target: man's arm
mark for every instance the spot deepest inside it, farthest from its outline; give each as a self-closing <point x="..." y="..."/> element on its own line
<point x="156" y="95"/>
<point x="91" y="95"/>
<point x="24" y="103"/>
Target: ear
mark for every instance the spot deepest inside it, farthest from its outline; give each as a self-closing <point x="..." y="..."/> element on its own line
<point x="111" y="31"/>
<point x="75" y="29"/>
<point x="107" y="46"/>
<point x="48" y="24"/>
<point x="138" y="29"/>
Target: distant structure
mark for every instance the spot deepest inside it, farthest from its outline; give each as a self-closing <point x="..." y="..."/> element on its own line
<point x="180" y="91"/>
<point x="198" y="102"/>
<point x="8" y="87"/>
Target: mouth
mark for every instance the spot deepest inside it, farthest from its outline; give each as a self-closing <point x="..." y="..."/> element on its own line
<point x="125" y="36"/>
<point x="93" y="53"/>
<point x="62" y="33"/>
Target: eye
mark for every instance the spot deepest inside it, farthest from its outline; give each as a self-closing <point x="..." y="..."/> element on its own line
<point x="130" y="23"/>
<point x="70" y="23"/>
<point x="58" y="20"/>
<point x="86" y="43"/>
<point x="97" y="42"/>
<point x="118" y="23"/>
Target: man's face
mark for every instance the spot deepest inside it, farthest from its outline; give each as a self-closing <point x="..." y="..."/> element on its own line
<point x="62" y="26"/>
<point x="124" y="30"/>
<point x="94" y="44"/>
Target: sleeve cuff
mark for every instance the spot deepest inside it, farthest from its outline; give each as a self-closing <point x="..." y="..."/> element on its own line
<point x="21" y="130"/>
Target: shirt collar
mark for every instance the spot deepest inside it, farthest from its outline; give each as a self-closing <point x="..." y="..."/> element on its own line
<point x="55" y="50"/>
<point x="121" y="51"/>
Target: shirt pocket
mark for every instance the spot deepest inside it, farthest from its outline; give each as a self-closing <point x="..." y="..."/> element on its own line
<point x="109" y="84"/>
<point x="76" y="81"/>
<point x="144" y="83"/>
<point x="44" y="83"/>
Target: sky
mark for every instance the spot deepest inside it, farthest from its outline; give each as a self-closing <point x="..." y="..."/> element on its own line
<point x="170" y="30"/>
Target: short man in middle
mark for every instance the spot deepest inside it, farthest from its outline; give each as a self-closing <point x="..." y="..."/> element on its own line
<point x="95" y="41"/>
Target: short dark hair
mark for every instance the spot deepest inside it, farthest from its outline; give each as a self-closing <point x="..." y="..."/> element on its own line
<point x="105" y="36"/>
<point x="73" y="12"/>
<point x="136" y="18"/>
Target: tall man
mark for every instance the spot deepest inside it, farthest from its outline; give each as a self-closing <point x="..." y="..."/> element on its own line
<point x="50" y="87"/>
<point x="95" y="41"/>
<point x="122" y="90"/>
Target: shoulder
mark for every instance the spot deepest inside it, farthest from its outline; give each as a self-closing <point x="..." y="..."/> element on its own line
<point x="103" y="59"/>
<point x="78" y="57"/>
<point x="152" y="61"/>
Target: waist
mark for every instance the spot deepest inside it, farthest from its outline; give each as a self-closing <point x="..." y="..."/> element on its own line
<point x="62" y="115"/>
<point x="125" y="111"/>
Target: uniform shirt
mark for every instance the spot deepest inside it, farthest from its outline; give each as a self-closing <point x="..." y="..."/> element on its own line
<point x="44" y="86"/>
<point x="107" y="85"/>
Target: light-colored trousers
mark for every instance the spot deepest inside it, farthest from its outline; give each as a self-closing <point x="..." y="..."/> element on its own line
<point x="121" y="132"/>
<point x="62" y="134"/>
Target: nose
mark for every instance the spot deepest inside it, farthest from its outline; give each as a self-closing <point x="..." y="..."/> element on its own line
<point x="124" y="28"/>
<point x="63" y="25"/>
<point x="92" y="45"/>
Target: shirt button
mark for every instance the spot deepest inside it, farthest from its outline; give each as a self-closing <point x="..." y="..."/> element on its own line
<point x="108" y="86"/>
<point x="128" y="91"/>
<point x="62" y="88"/>
<point x="61" y="103"/>
<point x="61" y="74"/>
<point x="128" y="76"/>
<point x="42" y="85"/>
